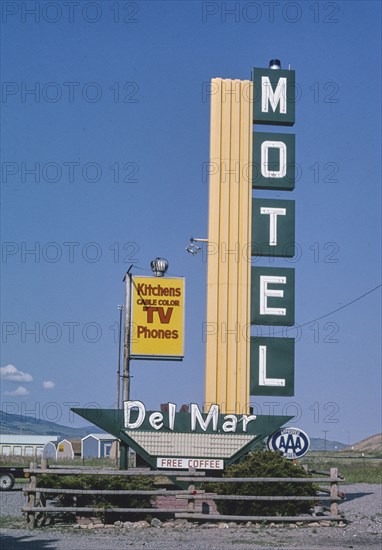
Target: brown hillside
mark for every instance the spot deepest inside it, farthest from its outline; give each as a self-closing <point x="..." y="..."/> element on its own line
<point x="372" y="443"/>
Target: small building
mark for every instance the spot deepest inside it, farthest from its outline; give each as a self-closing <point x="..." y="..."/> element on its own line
<point x="114" y="451"/>
<point x="68" y="449"/>
<point x="97" y="445"/>
<point x="24" y="445"/>
<point x="50" y="450"/>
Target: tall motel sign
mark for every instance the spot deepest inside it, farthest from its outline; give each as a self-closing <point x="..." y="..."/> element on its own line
<point x="238" y="295"/>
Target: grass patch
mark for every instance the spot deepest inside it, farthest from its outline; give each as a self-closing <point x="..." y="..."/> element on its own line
<point x="12" y="522"/>
<point x="353" y="466"/>
<point x="25" y="461"/>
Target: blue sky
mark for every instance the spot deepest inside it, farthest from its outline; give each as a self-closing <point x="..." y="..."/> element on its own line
<point x="107" y="102"/>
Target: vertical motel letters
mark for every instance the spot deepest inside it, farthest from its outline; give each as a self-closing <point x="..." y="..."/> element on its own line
<point x="273" y="232"/>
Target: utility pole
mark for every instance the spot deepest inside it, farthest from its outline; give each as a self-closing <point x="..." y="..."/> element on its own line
<point x="159" y="267"/>
<point x="325" y="432"/>
<point x="126" y="347"/>
<point x="120" y="308"/>
<point x="124" y="449"/>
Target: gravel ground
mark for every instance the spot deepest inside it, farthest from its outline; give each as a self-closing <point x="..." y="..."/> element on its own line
<point x="362" y="509"/>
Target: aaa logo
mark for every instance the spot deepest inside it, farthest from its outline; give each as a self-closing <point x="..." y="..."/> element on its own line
<point x="292" y="442"/>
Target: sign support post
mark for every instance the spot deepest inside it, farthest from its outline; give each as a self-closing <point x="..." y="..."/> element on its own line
<point x="124" y="449"/>
<point x="126" y="347"/>
<point x="120" y="309"/>
<point x="229" y="267"/>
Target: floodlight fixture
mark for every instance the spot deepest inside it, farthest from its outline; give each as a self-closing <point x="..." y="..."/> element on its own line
<point x="192" y="248"/>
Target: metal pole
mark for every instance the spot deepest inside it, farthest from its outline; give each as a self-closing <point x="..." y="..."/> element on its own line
<point x="126" y="348"/>
<point x="120" y="308"/>
<point x="124" y="449"/>
<point x="325" y="432"/>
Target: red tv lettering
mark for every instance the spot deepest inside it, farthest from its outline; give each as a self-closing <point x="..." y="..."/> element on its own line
<point x="164" y="318"/>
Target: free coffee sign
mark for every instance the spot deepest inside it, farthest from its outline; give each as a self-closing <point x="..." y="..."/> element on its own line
<point x="157" y="318"/>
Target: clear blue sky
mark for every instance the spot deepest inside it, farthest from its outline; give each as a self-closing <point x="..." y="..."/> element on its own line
<point x="117" y="129"/>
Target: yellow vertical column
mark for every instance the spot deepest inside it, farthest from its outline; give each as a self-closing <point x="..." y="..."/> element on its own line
<point x="229" y="235"/>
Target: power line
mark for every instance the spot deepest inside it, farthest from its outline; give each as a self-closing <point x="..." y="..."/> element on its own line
<point x="330" y="312"/>
<point x="344" y="306"/>
<point x="337" y="309"/>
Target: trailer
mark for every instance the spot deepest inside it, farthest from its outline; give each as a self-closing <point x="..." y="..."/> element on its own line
<point x="8" y="475"/>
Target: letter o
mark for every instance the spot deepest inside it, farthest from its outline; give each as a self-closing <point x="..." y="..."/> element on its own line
<point x="246" y="332"/>
<point x="297" y="91"/>
<point x="296" y="406"/>
<point x="88" y="257"/>
<point x="98" y="12"/>
<point x="85" y="332"/>
<point x="45" y="9"/>
<point x="298" y="12"/>
<point x="58" y="333"/>
<point x="96" y="406"/>
<point x="282" y="148"/>
<point x="89" y="97"/>
<point x="57" y="409"/>
<point x="47" y="257"/>
<point x="297" y="252"/>
<point x="297" y="170"/>
<point x="58" y="172"/>
<point x="98" y="172"/>
<point x="56" y="87"/>
<point x="286" y="333"/>
<point x="244" y="12"/>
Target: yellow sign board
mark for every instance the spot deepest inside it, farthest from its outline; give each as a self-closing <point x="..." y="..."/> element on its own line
<point x="157" y="319"/>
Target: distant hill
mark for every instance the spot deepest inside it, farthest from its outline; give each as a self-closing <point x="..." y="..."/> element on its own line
<point x="372" y="443"/>
<point x="25" y="425"/>
<point x="318" y="444"/>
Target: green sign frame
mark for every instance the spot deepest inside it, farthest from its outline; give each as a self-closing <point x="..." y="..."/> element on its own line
<point x="274" y="161"/>
<point x="272" y="366"/>
<point x="274" y="96"/>
<point x="113" y="422"/>
<point x="273" y="228"/>
<point x="272" y="296"/>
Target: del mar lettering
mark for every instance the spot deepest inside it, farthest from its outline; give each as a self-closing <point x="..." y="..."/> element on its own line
<point x="212" y="421"/>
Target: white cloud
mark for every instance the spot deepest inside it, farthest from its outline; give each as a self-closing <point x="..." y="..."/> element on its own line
<point x="20" y="391"/>
<point x="48" y="384"/>
<point x="11" y="373"/>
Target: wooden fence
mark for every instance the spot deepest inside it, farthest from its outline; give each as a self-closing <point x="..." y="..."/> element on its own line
<point x="195" y="501"/>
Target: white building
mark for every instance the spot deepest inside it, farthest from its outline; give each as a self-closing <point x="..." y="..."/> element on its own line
<point x="97" y="445"/>
<point x="24" y="445"/>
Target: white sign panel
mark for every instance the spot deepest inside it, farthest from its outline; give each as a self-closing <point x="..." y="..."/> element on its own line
<point x="187" y="463"/>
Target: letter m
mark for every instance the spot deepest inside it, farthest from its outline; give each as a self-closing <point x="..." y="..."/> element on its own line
<point x="269" y="96"/>
<point x="213" y="415"/>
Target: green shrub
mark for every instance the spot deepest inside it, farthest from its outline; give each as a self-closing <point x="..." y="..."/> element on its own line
<point x="100" y="482"/>
<point x="264" y="464"/>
